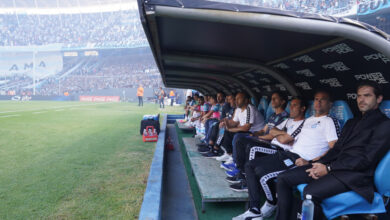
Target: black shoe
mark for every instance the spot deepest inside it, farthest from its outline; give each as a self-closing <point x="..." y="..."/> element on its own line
<point x="202" y="144"/>
<point x="204" y="150"/>
<point x="235" y="179"/>
<point x="239" y="187"/>
<point x="213" y="153"/>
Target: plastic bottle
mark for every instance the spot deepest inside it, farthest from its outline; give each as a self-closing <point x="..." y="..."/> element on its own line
<point x="150" y="132"/>
<point x="145" y="134"/>
<point x="307" y="208"/>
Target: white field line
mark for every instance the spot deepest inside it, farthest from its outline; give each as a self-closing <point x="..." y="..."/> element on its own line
<point x="59" y="110"/>
<point x="39" y="112"/>
<point x="58" y="107"/>
<point x="7" y="116"/>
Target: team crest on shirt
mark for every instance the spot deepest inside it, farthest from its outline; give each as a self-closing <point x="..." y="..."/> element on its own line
<point x="315" y="125"/>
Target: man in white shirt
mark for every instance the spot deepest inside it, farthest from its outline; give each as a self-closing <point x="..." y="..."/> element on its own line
<point x="283" y="136"/>
<point x="319" y="134"/>
<point x="247" y="119"/>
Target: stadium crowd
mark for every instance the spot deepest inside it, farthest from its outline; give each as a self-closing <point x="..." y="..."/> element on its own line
<point x="269" y="156"/>
<point x="113" y="29"/>
<point x="93" y="75"/>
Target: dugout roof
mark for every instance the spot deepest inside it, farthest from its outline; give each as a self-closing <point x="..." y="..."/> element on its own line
<point x="211" y="46"/>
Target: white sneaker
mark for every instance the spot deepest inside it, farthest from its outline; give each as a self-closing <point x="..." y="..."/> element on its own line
<point x="229" y="161"/>
<point x="249" y="214"/>
<point x="267" y="209"/>
<point x="224" y="157"/>
<point x="200" y="136"/>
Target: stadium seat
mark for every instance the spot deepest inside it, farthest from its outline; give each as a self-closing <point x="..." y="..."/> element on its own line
<point x="288" y="107"/>
<point x="270" y="110"/>
<point x="263" y="105"/>
<point x="341" y="111"/>
<point x="385" y="107"/>
<point x="253" y="101"/>
<point x="310" y="109"/>
<point x="352" y="203"/>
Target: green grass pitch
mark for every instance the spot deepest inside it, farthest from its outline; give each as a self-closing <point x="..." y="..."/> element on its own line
<point x="73" y="160"/>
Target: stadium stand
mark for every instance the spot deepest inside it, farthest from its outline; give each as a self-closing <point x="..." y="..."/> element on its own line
<point x="88" y="74"/>
<point x="112" y="29"/>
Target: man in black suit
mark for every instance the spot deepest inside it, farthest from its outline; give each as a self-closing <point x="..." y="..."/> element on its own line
<point x="349" y="165"/>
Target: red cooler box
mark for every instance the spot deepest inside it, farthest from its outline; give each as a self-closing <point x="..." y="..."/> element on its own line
<point x="149" y="134"/>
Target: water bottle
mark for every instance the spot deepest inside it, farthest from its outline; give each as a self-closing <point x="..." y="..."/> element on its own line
<point x="154" y="131"/>
<point x="307" y="208"/>
<point x="145" y="134"/>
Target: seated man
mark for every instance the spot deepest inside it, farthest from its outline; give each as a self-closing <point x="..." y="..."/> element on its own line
<point x="247" y="119"/>
<point x="282" y="137"/>
<point x="190" y="108"/>
<point x="214" y="132"/>
<point x="213" y="117"/>
<point x="197" y="112"/>
<point x="350" y="165"/>
<point x="204" y="110"/>
<point x="318" y="135"/>
<point x="279" y="103"/>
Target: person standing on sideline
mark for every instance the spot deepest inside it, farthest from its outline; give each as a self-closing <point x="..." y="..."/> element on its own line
<point x="161" y="96"/>
<point x="140" y="94"/>
<point x="172" y="96"/>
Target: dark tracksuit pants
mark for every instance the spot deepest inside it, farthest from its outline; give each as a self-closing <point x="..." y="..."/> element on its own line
<point x="230" y="139"/>
<point x="208" y="126"/>
<point x="262" y="172"/>
<point x="248" y="148"/>
<point x="320" y="189"/>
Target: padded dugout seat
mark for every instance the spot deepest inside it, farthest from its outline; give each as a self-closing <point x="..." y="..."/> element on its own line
<point x="263" y="105"/>
<point x="310" y="109"/>
<point x="385" y="107"/>
<point x="253" y="101"/>
<point x="339" y="110"/>
<point x="352" y="203"/>
<point x="270" y="110"/>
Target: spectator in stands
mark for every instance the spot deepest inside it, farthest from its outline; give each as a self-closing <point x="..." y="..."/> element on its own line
<point x="140" y="95"/>
<point x="282" y="137"/>
<point x="246" y="119"/>
<point x="161" y="96"/>
<point x="350" y="164"/>
<point x="319" y="134"/>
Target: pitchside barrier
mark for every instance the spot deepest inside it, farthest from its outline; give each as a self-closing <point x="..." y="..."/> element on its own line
<point x="151" y="205"/>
